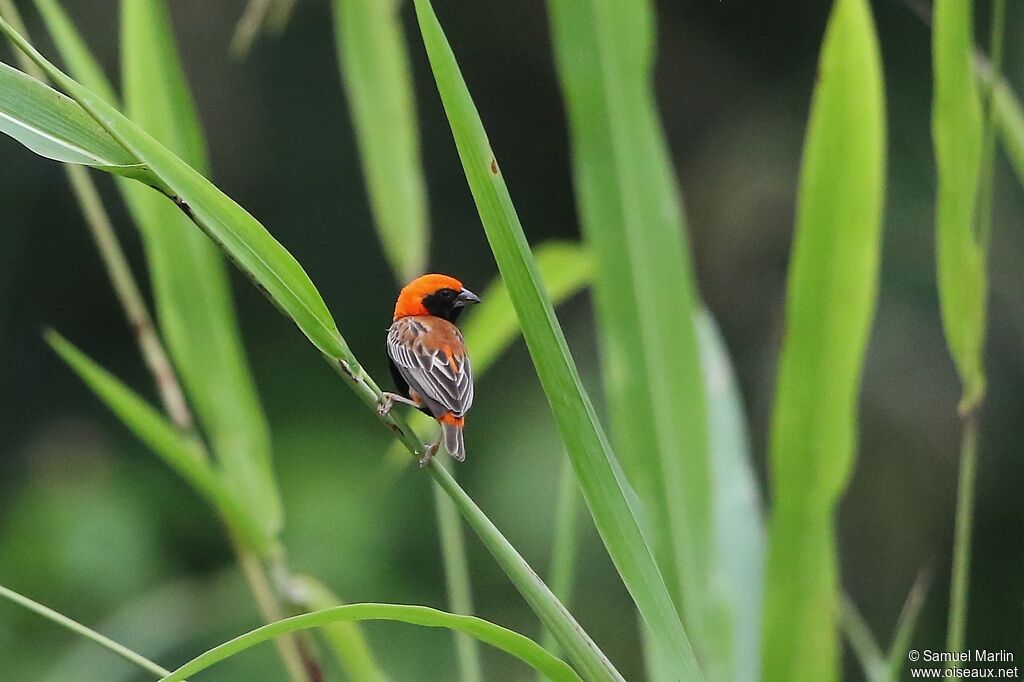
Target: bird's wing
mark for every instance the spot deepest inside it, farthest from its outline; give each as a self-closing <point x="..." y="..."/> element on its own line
<point x="431" y="356"/>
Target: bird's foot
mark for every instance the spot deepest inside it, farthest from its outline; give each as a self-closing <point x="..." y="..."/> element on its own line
<point x="429" y="453"/>
<point x="387" y="401"/>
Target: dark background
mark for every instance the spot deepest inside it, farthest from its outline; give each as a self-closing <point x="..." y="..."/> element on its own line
<point x="95" y="526"/>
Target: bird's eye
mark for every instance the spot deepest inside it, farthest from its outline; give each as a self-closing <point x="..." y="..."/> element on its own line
<point x="447" y="294"/>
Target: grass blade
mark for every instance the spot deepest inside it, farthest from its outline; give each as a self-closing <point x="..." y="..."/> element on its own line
<point x="957" y="135"/>
<point x="190" y="283"/>
<point x="737" y="559"/>
<point x="862" y="642"/>
<point x="601" y="480"/>
<point x="565" y="545"/>
<point x="177" y="450"/>
<point x="633" y="219"/>
<point x="74" y="51"/>
<point x="76" y="627"/>
<point x="510" y="642"/>
<point x="375" y="68"/>
<point x="830" y="304"/>
<point x="906" y="624"/>
<point x="51" y="125"/>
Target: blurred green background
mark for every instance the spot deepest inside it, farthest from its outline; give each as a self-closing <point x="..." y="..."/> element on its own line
<point x="95" y="526"/>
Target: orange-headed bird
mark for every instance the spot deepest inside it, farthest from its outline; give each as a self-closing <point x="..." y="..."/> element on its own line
<point x="428" y="358"/>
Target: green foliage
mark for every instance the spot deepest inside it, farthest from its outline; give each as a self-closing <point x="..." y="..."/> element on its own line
<point x="183" y="454"/>
<point x="633" y="219"/>
<point x="510" y="642"/>
<point x="186" y="268"/>
<point x="594" y="462"/>
<point x="375" y="67"/>
<point x="957" y="134"/>
<point x="54" y="126"/>
<point x="1009" y="117"/>
<point x="829" y="308"/>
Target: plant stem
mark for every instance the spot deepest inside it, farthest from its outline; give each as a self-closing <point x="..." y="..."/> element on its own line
<point x="962" y="536"/>
<point x="456" y="571"/>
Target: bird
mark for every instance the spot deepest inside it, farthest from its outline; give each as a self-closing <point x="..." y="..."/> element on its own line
<point x="428" y="358"/>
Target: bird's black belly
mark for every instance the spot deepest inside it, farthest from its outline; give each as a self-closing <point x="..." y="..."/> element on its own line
<point x="401" y="385"/>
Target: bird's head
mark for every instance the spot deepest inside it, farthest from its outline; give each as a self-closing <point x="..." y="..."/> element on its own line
<point x="438" y="295"/>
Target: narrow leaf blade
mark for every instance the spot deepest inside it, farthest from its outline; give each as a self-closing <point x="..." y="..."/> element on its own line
<point x="501" y="638"/>
<point x="172" y="446"/>
<point x="830" y="305"/>
<point x="601" y="480"/>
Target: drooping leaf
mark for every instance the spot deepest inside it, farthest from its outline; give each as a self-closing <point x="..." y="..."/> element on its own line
<point x="830" y="302"/>
<point x="601" y="480"/>
<point x="510" y="642"/>
<point x="190" y="283"/>
<point x="54" y="126"/>
<point x="374" y="64"/>
<point x="176" y="449"/>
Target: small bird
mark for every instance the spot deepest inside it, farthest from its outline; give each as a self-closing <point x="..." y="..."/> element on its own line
<point x="428" y="358"/>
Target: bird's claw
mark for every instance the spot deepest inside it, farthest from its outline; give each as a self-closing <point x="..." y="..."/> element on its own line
<point x="429" y="453"/>
<point x="385" y="405"/>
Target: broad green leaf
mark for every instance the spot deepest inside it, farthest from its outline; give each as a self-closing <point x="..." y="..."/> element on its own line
<point x="79" y="629"/>
<point x="830" y="302"/>
<point x="600" y="478"/>
<point x="345" y="638"/>
<point x="375" y="67"/>
<point x="564" y="267"/>
<point x="177" y="450"/>
<point x="644" y="293"/>
<point x="957" y="129"/>
<point x="501" y="638"/>
<point x="51" y="125"/>
<point x="190" y="283"/>
<point x="246" y="241"/>
<point x="737" y="559"/>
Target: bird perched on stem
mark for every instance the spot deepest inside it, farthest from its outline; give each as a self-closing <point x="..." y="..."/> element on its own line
<point x="428" y="358"/>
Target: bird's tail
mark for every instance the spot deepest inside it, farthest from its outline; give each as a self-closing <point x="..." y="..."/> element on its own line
<point x="451" y="427"/>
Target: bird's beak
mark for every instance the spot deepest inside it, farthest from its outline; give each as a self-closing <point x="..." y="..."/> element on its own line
<point x="466" y="297"/>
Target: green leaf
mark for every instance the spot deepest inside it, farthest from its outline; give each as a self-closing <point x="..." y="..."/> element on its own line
<point x="564" y="267"/>
<point x="76" y="627"/>
<point x="594" y="462"/>
<point x="51" y="125"/>
<point x="375" y="67"/>
<point x="190" y="283"/>
<point x="957" y="132"/>
<point x="644" y="292"/>
<point x="248" y="243"/>
<point x="862" y="643"/>
<point x="737" y="559"/>
<point x="510" y="642"/>
<point x="832" y="290"/>
<point x="177" y="450"/>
